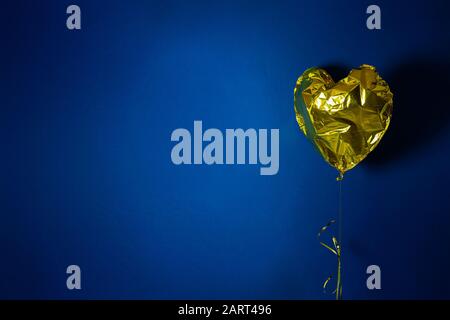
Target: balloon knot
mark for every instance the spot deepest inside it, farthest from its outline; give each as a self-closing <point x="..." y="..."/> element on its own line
<point x="340" y="177"/>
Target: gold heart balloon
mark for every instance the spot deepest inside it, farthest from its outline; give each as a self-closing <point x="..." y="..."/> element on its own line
<point x="345" y="120"/>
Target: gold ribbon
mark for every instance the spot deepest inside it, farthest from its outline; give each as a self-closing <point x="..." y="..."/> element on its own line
<point x="336" y="250"/>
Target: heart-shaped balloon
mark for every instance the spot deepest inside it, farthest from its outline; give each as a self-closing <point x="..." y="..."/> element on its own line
<point x="345" y="120"/>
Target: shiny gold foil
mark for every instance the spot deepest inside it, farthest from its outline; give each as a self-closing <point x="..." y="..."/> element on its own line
<point x="344" y="120"/>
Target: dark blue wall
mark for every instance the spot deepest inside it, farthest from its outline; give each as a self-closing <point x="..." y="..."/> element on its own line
<point x="87" y="177"/>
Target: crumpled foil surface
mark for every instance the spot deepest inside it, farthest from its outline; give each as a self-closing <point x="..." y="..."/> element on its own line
<point x="345" y="120"/>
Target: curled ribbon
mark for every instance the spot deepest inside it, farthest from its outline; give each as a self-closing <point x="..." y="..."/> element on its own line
<point x="336" y="250"/>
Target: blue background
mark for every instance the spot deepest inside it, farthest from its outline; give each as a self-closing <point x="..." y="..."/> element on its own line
<point x="87" y="179"/>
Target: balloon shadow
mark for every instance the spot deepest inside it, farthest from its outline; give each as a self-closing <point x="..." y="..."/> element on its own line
<point x="421" y="114"/>
<point x="421" y="109"/>
<point x="337" y="71"/>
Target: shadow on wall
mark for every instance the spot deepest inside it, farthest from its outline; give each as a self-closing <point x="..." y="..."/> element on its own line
<point x="421" y="109"/>
<point x="337" y="71"/>
<point x="421" y="114"/>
